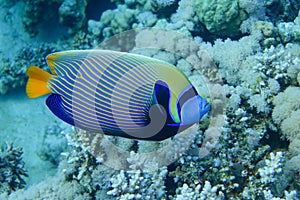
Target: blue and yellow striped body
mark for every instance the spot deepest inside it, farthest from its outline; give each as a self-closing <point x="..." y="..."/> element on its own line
<point x="120" y="94"/>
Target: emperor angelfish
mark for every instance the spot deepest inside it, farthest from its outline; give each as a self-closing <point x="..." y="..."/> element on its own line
<point x="118" y="93"/>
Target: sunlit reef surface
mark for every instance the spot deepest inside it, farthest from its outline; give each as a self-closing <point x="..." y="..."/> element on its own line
<point x="243" y="55"/>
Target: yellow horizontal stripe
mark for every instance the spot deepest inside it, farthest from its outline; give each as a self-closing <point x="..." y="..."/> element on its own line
<point x="66" y="66"/>
<point x="132" y="78"/>
<point x="129" y="66"/>
<point x="116" y="92"/>
<point x="83" y="84"/>
<point x="80" y="117"/>
<point x="141" y="98"/>
<point x="119" y="113"/>
<point x="94" y="103"/>
<point x="131" y="59"/>
<point x="102" y="123"/>
<point x="88" y="88"/>
<point x="95" y="113"/>
<point x="110" y="83"/>
<point x="97" y="75"/>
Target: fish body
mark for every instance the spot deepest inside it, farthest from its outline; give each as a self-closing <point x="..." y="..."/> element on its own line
<point x="118" y="93"/>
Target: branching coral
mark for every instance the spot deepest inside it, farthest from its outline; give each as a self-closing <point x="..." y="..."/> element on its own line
<point x="201" y="193"/>
<point x="269" y="175"/>
<point x="137" y="185"/>
<point x="272" y="168"/>
<point x="12" y="172"/>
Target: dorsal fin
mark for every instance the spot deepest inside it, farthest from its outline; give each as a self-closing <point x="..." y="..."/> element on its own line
<point x="55" y="58"/>
<point x="61" y="62"/>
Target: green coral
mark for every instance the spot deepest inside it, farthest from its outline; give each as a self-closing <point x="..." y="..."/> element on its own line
<point x="220" y="17"/>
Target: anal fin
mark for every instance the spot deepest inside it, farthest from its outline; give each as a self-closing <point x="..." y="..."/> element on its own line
<point x="54" y="102"/>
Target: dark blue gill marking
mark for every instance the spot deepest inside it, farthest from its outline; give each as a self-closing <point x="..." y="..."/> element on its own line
<point x="186" y="94"/>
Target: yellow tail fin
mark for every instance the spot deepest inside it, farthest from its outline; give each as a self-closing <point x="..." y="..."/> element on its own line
<point x="37" y="82"/>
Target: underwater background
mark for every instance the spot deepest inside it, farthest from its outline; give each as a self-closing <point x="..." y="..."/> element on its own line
<point x="242" y="55"/>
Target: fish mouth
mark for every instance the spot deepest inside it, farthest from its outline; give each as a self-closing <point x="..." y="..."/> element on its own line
<point x="205" y="106"/>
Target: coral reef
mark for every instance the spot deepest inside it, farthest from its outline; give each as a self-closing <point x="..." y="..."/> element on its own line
<point x="12" y="171"/>
<point x="277" y="33"/>
<point x="242" y="55"/>
<point x="164" y="7"/>
<point x="205" y="192"/>
<point x="13" y="73"/>
<point x="139" y="185"/>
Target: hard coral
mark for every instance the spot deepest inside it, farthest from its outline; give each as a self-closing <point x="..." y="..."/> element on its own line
<point x="221" y="17"/>
<point x="136" y="185"/>
<point x="113" y="22"/>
